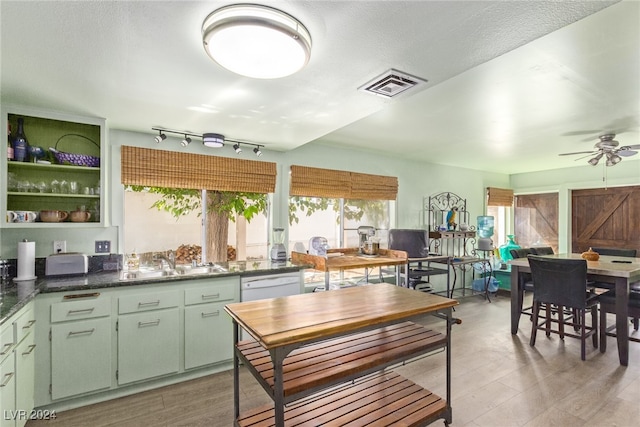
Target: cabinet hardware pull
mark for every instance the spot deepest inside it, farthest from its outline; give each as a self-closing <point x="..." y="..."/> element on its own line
<point x="31" y="348"/>
<point x="214" y="313"/>
<point x="149" y="323"/>
<point x="74" y="296"/>
<point x="6" y="348"/>
<point x="210" y="296"/>
<point x="142" y="304"/>
<point x="30" y="324"/>
<point x="7" y="379"/>
<point x="80" y="311"/>
<point x="88" y="331"/>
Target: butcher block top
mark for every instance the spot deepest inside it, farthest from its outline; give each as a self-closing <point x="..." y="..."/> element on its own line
<point x="302" y="318"/>
<point x="349" y="258"/>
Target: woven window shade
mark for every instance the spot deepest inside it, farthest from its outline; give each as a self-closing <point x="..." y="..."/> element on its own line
<point x="499" y="196"/>
<point x="170" y="169"/>
<point x="318" y="182"/>
<point x="373" y="187"/>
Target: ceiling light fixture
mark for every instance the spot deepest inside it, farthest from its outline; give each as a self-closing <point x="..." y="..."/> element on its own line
<point x="237" y="148"/>
<point x="594" y="161"/>
<point x="186" y="141"/>
<point x="256" y="41"/>
<point x="161" y="137"/>
<point x="613" y="159"/>
<point x="257" y="151"/>
<point x="213" y="140"/>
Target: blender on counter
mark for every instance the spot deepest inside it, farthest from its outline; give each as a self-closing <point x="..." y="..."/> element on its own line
<point x="278" y="250"/>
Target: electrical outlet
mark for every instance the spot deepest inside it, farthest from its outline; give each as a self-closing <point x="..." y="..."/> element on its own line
<point x="59" y="246"/>
<point x="103" y="246"/>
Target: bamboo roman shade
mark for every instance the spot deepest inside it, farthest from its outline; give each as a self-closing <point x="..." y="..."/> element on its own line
<point x="318" y="182"/>
<point x="499" y="196"/>
<point x="171" y="169"/>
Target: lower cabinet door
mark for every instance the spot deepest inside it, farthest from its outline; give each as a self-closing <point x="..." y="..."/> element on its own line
<point x="9" y="413"/>
<point x="80" y="357"/>
<point x="148" y="345"/>
<point x="25" y="376"/>
<point x="208" y="335"/>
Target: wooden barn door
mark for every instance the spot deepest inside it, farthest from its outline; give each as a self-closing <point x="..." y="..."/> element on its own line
<point x="605" y="218"/>
<point x="536" y="220"/>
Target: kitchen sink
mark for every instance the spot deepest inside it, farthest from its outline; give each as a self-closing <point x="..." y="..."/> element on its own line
<point x="204" y="269"/>
<point x="181" y="270"/>
<point x="146" y="274"/>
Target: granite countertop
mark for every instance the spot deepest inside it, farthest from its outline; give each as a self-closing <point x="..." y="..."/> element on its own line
<point x="14" y="297"/>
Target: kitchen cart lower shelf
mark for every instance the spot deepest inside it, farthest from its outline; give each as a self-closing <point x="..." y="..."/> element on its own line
<point x="382" y="399"/>
<point x="326" y="363"/>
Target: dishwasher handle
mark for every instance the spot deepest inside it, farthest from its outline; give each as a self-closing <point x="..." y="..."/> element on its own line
<point x="269" y="282"/>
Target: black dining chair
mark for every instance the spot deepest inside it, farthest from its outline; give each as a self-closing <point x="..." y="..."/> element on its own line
<point x="542" y="250"/>
<point x="563" y="283"/>
<point x="525" y="282"/>
<point x="616" y="252"/>
<point x="608" y="305"/>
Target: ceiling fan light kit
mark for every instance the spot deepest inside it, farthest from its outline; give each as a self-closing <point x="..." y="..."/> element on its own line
<point x="256" y="41"/>
<point x="609" y="148"/>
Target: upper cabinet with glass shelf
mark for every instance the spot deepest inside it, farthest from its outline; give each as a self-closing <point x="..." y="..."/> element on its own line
<point x="63" y="173"/>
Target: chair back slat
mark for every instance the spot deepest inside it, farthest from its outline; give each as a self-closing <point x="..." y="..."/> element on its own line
<point x="559" y="281"/>
<point x="616" y="252"/>
<point x="542" y="250"/>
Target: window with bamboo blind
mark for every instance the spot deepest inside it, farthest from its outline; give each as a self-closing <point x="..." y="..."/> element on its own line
<point x="499" y="197"/>
<point x="318" y="182"/>
<point x="170" y="169"/>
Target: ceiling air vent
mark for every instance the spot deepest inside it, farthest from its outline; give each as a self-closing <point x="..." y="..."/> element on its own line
<point x="392" y="83"/>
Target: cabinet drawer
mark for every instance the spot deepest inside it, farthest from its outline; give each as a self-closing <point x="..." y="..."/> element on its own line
<point x="81" y="309"/>
<point x="24" y="324"/>
<point x="6" y="340"/>
<point x="215" y="292"/>
<point x="149" y="301"/>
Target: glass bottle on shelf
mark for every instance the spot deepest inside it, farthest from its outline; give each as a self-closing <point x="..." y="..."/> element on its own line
<point x="10" y="146"/>
<point x="20" y="144"/>
<point x="505" y="249"/>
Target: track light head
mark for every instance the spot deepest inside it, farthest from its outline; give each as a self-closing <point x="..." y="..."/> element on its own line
<point x="186" y="141"/>
<point x="213" y="140"/>
<point x="237" y="148"/>
<point x="257" y="151"/>
<point x="160" y="137"/>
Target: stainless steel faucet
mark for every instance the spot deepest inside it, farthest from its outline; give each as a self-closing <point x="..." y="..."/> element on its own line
<point x="170" y="258"/>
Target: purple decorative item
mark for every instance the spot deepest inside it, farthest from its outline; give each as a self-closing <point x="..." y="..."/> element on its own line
<point x="75" y="159"/>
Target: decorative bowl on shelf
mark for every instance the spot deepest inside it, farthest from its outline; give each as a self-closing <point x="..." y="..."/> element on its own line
<point x="53" y="216"/>
<point x="79" y="216"/>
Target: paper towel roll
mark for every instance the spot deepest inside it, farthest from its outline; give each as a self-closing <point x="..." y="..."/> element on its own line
<point x="26" y="261"/>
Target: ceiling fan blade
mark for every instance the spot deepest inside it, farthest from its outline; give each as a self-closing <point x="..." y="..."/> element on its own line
<point x="577" y="152"/>
<point x="626" y="153"/>
<point x="630" y="147"/>
<point x="581" y="132"/>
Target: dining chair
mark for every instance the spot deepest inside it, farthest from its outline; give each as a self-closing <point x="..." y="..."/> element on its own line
<point x="563" y="282"/>
<point x="608" y="305"/>
<point x="525" y="282"/>
<point x="542" y="250"/>
<point x="616" y="252"/>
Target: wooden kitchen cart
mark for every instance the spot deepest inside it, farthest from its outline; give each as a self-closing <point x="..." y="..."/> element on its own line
<point x="322" y="356"/>
<point x="350" y="258"/>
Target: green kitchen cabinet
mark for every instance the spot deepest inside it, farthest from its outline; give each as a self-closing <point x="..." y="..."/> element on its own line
<point x="8" y="391"/>
<point x="25" y="377"/>
<point x="73" y="181"/>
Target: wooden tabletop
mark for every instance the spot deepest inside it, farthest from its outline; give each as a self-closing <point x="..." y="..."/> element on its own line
<point x="301" y="318"/>
<point x="604" y="266"/>
<point x="349" y="258"/>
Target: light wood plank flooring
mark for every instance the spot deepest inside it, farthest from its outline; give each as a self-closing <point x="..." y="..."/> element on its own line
<point x="498" y="380"/>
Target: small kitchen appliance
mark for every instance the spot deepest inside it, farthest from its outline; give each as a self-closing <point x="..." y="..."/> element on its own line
<point x="278" y="250"/>
<point x="366" y="233"/>
<point x="318" y="246"/>
<point x="68" y="263"/>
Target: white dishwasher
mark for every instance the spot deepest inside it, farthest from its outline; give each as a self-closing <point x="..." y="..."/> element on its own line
<point x="253" y="288"/>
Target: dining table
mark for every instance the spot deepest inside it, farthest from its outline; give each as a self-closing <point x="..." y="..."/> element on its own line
<point x="622" y="272"/>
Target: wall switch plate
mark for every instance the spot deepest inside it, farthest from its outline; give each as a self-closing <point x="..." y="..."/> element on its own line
<point x="59" y="246"/>
<point x="103" y="246"/>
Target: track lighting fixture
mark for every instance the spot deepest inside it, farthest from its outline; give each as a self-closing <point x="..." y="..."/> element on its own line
<point x="161" y="137"/>
<point x="214" y="140"/>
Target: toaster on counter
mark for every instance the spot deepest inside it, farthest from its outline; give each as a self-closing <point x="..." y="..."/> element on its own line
<point x="66" y="264"/>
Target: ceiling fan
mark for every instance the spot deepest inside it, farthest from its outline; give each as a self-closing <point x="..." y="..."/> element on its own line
<point x="609" y="148"/>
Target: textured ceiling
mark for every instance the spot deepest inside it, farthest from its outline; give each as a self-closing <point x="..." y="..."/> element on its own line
<point x="511" y="84"/>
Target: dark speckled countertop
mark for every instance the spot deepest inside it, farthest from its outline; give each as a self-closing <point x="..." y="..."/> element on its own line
<point x="15" y="297"/>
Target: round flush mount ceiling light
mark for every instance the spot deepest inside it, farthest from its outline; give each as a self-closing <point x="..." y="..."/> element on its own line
<point x="256" y="41"/>
<point x="213" y="140"/>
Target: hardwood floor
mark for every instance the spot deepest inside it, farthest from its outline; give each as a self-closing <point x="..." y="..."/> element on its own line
<point x="497" y="380"/>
